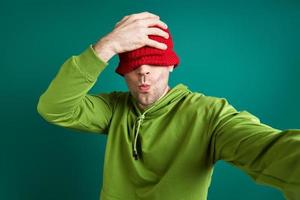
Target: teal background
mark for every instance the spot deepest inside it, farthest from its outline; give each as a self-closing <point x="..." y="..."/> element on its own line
<point x="245" y="51"/>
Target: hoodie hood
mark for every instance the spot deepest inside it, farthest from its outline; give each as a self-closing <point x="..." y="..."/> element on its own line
<point x="156" y="109"/>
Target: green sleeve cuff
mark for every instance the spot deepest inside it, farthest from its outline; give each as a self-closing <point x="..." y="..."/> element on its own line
<point x="90" y="64"/>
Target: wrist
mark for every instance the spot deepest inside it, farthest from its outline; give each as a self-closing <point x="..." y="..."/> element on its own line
<point x="104" y="49"/>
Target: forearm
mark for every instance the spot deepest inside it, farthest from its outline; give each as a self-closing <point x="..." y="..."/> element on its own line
<point x="270" y="156"/>
<point x="280" y="164"/>
<point x="73" y="81"/>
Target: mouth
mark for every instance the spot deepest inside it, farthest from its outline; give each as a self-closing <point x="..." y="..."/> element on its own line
<point x="144" y="88"/>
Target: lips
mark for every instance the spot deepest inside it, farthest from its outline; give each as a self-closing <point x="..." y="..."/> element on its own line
<point x="144" y="88"/>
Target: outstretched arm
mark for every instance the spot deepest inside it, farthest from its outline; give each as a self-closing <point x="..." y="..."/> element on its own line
<point x="270" y="156"/>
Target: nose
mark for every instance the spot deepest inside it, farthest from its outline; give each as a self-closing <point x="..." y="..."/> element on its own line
<point x="143" y="70"/>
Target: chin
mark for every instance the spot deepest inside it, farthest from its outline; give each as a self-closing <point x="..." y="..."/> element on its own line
<point x="145" y="102"/>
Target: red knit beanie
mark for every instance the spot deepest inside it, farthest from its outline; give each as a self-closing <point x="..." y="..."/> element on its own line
<point x="129" y="61"/>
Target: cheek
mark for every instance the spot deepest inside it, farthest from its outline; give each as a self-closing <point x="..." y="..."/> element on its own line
<point x="161" y="78"/>
<point x="129" y="79"/>
<point x="131" y="83"/>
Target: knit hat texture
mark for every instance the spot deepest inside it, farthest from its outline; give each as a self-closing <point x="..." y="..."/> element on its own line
<point x="129" y="61"/>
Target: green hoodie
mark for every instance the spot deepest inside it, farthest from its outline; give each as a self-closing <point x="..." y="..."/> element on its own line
<point x="169" y="150"/>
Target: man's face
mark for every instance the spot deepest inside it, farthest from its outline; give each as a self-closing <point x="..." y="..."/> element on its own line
<point x="148" y="83"/>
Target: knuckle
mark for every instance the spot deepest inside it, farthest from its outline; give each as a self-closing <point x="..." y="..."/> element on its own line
<point x="139" y="22"/>
<point x="149" y="13"/>
<point x="146" y="13"/>
<point x="159" y="45"/>
<point x="162" y="24"/>
<point x="140" y="42"/>
<point x="133" y="16"/>
<point x="160" y="32"/>
<point x="165" y="34"/>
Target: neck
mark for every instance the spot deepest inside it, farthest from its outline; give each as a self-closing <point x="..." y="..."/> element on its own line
<point x="165" y="92"/>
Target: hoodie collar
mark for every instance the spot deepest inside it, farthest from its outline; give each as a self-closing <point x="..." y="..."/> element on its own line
<point x="157" y="108"/>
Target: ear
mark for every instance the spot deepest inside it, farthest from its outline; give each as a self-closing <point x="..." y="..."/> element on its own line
<point x="171" y="68"/>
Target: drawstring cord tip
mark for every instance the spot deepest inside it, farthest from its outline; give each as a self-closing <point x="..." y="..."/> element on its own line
<point x="135" y="155"/>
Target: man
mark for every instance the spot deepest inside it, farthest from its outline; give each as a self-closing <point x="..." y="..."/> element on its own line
<point x="162" y="142"/>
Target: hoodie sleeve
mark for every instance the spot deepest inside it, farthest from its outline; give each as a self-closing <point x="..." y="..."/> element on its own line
<point x="270" y="156"/>
<point x="66" y="101"/>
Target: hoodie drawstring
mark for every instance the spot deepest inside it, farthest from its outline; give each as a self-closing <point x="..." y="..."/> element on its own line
<point x="140" y="121"/>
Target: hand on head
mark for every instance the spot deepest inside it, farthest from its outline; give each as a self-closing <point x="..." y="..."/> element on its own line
<point x="131" y="33"/>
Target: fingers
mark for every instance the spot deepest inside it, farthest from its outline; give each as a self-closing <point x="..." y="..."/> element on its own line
<point x="144" y="18"/>
<point x="133" y="17"/>
<point x="122" y="21"/>
<point x="156" y="44"/>
<point x="158" y="32"/>
<point x="148" y="22"/>
<point x="143" y="15"/>
<point x="133" y="30"/>
<point x="155" y="22"/>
